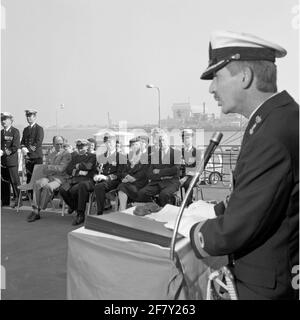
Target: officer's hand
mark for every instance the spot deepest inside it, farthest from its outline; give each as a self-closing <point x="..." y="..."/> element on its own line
<point x="1" y="153"/>
<point x="130" y="178"/>
<point x="8" y="152"/>
<point x="33" y="148"/>
<point x="97" y="177"/>
<point x="156" y="171"/>
<point x="24" y="151"/>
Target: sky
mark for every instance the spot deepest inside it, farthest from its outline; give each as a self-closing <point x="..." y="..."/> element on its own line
<point x="96" y="56"/>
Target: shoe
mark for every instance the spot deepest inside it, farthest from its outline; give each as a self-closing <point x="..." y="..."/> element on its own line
<point x="78" y="220"/>
<point x="70" y="210"/>
<point x="33" y="216"/>
<point x="100" y="213"/>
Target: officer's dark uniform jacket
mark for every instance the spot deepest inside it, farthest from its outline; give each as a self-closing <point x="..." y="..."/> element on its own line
<point x="33" y="137"/>
<point x="168" y="165"/>
<point x="113" y="165"/>
<point x="259" y="229"/>
<point x="10" y="140"/>
<point x="86" y="168"/>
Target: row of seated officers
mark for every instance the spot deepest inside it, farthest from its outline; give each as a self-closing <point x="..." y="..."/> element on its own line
<point x="146" y="172"/>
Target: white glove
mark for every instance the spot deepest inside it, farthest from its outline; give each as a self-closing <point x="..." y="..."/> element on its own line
<point x="24" y="151"/>
<point x="1" y="153"/>
<point x="100" y="177"/>
<point x="82" y="173"/>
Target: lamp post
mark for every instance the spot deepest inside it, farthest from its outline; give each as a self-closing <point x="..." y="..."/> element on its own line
<point x="61" y="106"/>
<point x="151" y="86"/>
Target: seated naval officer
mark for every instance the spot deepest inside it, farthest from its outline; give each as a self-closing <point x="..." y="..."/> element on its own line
<point x="75" y="191"/>
<point x="109" y="177"/>
<point x="55" y="175"/>
<point x="163" y="173"/>
<point x="31" y="143"/>
<point x="134" y="175"/>
<point x="259" y="228"/>
<point x="189" y="159"/>
<point x="10" y="143"/>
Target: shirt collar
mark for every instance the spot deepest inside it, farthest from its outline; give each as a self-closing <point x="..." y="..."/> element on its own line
<point x="253" y="112"/>
<point x="31" y="125"/>
<point x="6" y="130"/>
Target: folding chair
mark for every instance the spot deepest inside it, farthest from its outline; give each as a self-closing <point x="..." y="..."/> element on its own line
<point x="56" y="193"/>
<point x="38" y="173"/>
<point x="111" y="196"/>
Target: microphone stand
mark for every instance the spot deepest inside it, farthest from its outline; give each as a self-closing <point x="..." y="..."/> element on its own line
<point x="214" y="141"/>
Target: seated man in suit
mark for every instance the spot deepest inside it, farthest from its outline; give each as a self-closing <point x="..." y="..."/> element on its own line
<point x="55" y="175"/>
<point x="134" y="175"/>
<point x="75" y="191"/>
<point x="111" y="167"/>
<point x="163" y="173"/>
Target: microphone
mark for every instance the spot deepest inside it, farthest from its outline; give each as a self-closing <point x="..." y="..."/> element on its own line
<point x="214" y="142"/>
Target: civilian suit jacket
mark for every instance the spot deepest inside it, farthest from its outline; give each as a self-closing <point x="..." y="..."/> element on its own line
<point x="260" y="226"/>
<point x="57" y="164"/>
<point x="33" y="137"/>
<point x="10" y="140"/>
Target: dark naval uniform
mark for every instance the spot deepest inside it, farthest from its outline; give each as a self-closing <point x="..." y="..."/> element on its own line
<point x="112" y="167"/>
<point x="259" y="229"/>
<point x="164" y="183"/>
<point x="10" y="141"/>
<point x="76" y="189"/>
<point x="32" y="139"/>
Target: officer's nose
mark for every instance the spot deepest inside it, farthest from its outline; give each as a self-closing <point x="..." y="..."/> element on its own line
<point x="212" y="87"/>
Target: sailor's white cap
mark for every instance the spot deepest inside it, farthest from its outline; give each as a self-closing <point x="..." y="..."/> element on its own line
<point x="227" y="46"/>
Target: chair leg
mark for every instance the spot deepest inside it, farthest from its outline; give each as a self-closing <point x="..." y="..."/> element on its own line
<point x="29" y="197"/>
<point x="63" y="208"/>
<point x="19" y="201"/>
<point x="89" y="206"/>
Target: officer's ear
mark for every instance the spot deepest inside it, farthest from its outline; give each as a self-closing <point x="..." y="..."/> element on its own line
<point x="247" y="77"/>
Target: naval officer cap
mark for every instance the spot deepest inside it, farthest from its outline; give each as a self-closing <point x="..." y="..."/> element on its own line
<point x="82" y="142"/>
<point x="226" y="46"/>
<point x="29" y="112"/>
<point x="6" y="115"/>
<point x="187" y="132"/>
